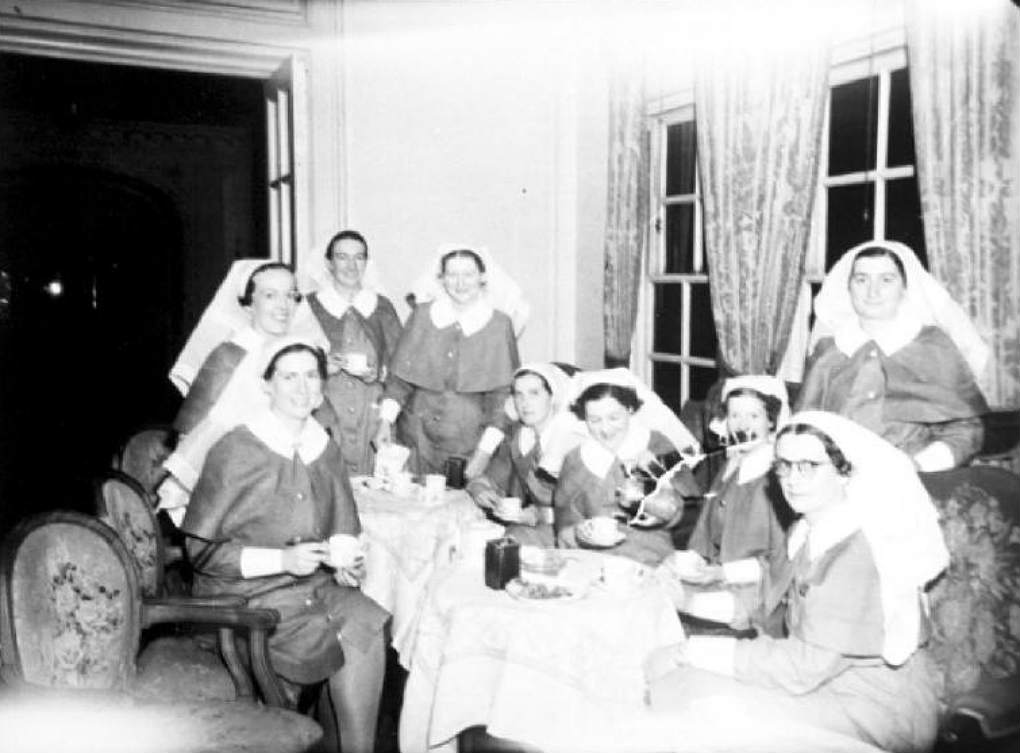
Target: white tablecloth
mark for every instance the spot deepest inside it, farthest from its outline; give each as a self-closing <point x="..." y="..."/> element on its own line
<point x="559" y="675"/>
<point x="408" y="541"/>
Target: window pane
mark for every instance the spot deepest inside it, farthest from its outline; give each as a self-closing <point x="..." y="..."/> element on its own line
<point x="852" y="129"/>
<point x="903" y="215"/>
<point x="667" y="337"/>
<point x="680" y="158"/>
<point x="666" y="383"/>
<point x="702" y="379"/>
<point x="901" y="127"/>
<point x="679" y="239"/>
<point x="703" y="339"/>
<point x="850" y="220"/>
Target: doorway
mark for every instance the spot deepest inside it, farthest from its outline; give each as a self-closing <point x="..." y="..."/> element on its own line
<point x="125" y="193"/>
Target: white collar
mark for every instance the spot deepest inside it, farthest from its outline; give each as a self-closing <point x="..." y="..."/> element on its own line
<point x="599" y="459"/>
<point x="835" y="526"/>
<point x="528" y="437"/>
<point x="249" y="339"/>
<point x="364" y="301"/>
<point x="471" y="319"/>
<point x="894" y="335"/>
<point x="309" y="444"/>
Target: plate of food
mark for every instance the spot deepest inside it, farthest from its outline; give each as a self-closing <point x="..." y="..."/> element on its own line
<point x="525" y="590"/>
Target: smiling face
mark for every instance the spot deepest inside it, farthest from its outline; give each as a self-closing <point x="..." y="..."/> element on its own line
<point x="295" y="387"/>
<point x="273" y="301"/>
<point x="876" y="288"/>
<point x="746" y="414"/>
<point x="462" y="280"/>
<point x="810" y="481"/>
<point x="608" y="421"/>
<point x="532" y="399"/>
<point x="347" y="263"/>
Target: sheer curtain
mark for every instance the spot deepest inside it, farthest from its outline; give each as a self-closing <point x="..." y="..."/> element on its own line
<point x="626" y="212"/>
<point x="964" y="63"/>
<point x="759" y="111"/>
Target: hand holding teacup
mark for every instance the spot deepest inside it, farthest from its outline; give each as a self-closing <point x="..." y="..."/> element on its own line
<point x="347" y="557"/>
<point x="507" y="509"/>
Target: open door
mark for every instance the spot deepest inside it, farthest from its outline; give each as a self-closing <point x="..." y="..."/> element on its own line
<point x="287" y="134"/>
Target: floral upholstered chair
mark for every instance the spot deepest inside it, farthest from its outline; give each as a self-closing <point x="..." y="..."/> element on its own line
<point x="71" y="614"/>
<point x="172" y="667"/>
<point x="141" y="457"/>
<point x="976" y="607"/>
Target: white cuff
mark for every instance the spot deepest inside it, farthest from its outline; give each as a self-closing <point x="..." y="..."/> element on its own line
<point x="938" y="456"/>
<point x="718" y="606"/>
<point x="712" y="652"/>
<point x="181" y="470"/>
<point x="172" y="494"/>
<point x="389" y="409"/>
<point x="259" y="561"/>
<point x="490" y="440"/>
<point x="747" y="570"/>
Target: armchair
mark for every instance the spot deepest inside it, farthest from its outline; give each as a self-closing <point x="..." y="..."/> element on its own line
<point x="976" y="608"/>
<point x="71" y="613"/>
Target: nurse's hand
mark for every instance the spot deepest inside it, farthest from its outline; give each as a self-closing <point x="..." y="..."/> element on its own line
<point x="384" y="434"/>
<point x="484" y="496"/>
<point x="351" y="576"/>
<point x="304" y="558"/>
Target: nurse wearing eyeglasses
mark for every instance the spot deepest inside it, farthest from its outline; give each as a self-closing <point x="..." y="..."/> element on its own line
<point x="850" y="657"/>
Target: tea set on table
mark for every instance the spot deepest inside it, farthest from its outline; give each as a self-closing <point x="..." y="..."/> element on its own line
<point x="389" y="475"/>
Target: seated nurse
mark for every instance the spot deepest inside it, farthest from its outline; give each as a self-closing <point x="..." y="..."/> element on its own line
<point x="272" y="493"/>
<point x="851" y="658"/>
<point x="539" y="397"/>
<point x="895" y="353"/>
<point x="738" y="533"/>
<point x="598" y="470"/>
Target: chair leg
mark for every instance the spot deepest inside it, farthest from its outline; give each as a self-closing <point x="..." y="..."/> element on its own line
<point x="269" y="684"/>
<point x="231" y="657"/>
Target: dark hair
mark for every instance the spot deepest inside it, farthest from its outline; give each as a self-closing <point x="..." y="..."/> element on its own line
<point x="461" y="253"/>
<point x="529" y="372"/>
<point x="249" y="287"/>
<point x="625" y="396"/>
<point x="839" y="461"/>
<point x="346" y="235"/>
<point x="772" y="403"/>
<point x="320" y="358"/>
<point x="872" y="252"/>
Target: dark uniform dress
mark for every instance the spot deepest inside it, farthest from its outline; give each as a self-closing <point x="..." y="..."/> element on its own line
<point x="354" y="402"/>
<point x="449" y="385"/>
<point x="251" y="496"/>
<point x="511" y="473"/>
<point x="921" y="393"/>
<point x="581" y="494"/>
<point x="829" y="671"/>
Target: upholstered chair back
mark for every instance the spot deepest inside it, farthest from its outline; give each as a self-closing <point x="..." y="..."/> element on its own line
<point x="121" y="503"/>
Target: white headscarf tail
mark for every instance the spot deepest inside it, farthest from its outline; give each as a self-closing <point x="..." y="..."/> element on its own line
<point x="899" y="521"/>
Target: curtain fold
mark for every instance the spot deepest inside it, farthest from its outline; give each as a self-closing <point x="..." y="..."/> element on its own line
<point x="964" y="62"/>
<point x="626" y="213"/>
<point x="759" y="113"/>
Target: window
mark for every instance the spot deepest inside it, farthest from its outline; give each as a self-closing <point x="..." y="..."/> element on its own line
<point x="682" y="347"/>
<point x="868" y="191"/>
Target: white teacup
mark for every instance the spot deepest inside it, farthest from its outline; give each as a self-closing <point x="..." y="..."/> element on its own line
<point x="620" y="574"/>
<point x="344" y="550"/>
<point x="603" y="529"/>
<point x="508" y="508"/>
<point x="357" y="362"/>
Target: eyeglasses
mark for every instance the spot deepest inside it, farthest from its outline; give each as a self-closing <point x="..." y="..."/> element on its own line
<point x="807" y="468"/>
<point x="346" y="259"/>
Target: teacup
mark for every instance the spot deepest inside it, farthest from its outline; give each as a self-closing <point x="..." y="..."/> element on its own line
<point x="620" y="574"/>
<point x="603" y="529"/>
<point x="508" y="508"/>
<point x="344" y="550"/>
<point x="357" y="362"/>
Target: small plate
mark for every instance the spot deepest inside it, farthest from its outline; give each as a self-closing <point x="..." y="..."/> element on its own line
<point x="525" y="591"/>
<point x="585" y="537"/>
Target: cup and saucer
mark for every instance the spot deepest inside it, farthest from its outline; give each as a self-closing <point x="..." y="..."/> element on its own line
<point x="600" y="532"/>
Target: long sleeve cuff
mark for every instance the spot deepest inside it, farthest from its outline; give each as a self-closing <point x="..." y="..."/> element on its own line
<point x="389" y="409"/>
<point x="718" y="606"/>
<point x="490" y="440"/>
<point x="938" y="456"/>
<point x="713" y="653"/>
<point x="259" y="561"/>
<point x="181" y="470"/>
<point x="747" y="570"/>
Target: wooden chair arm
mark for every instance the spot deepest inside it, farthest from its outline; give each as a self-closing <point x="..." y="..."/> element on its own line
<point x="161" y="611"/>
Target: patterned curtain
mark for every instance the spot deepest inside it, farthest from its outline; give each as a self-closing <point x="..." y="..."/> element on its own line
<point x="965" y="86"/>
<point x="626" y="213"/>
<point x="759" y="117"/>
